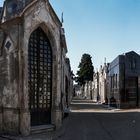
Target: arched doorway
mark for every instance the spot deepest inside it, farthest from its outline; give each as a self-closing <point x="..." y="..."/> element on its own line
<point x="40" y="78"/>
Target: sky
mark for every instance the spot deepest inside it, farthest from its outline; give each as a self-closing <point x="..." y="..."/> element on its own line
<point x="101" y="28"/>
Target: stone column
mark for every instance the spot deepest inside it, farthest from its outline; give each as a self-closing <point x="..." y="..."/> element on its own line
<point x="58" y="112"/>
<point x="25" y="125"/>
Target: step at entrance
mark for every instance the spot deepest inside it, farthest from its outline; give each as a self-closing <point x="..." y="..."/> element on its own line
<point x="42" y="128"/>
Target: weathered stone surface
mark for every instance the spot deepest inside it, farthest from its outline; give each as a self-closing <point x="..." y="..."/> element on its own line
<point x="10" y="121"/>
<point x="57" y="118"/>
<point x="14" y="63"/>
<point x="2" y="35"/>
<point x="103" y="78"/>
<point x="25" y="123"/>
<point x="0" y="120"/>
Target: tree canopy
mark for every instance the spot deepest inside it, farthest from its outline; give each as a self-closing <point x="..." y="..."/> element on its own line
<point x="86" y="69"/>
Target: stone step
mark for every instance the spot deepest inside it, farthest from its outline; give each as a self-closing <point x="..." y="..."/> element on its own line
<point x="42" y="128"/>
<point x="82" y="101"/>
<point x="35" y="130"/>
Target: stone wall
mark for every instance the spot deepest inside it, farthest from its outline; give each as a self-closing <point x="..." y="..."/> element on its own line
<point x="95" y="88"/>
<point x="9" y="81"/>
<point x="124" y="74"/>
<point x="14" y="97"/>
<point x="103" y="75"/>
<point x="88" y="90"/>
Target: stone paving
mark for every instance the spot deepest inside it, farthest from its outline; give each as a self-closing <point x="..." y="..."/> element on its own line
<point x="92" y="121"/>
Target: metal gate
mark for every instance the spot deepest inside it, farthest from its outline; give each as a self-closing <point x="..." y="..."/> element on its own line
<point x="40" y="78"/>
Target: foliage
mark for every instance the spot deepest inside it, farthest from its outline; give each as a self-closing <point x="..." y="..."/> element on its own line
<point x="86" y="69"/>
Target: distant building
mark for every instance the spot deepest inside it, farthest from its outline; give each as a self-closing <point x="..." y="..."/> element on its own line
<point x="67" y="85"/>
<point x="77" y="90"/>
<point x="124" y="81"/>
<point x="88" y="90"/>
<point x="103" y="75"/>
<point x="35" y="74"/>
<point x="95" y="87"/>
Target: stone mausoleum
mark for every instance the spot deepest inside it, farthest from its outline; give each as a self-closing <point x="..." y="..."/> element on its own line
<point x="33" y="67"/>
<point x="124" y="81"/>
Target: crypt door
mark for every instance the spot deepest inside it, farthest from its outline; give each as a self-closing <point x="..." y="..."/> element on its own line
<point x="132" y="91"/>
<point x="40" y="78"/>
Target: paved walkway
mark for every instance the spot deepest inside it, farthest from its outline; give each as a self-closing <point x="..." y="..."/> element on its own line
<point x="89" y="121"/>
<point x="92" y="121"/>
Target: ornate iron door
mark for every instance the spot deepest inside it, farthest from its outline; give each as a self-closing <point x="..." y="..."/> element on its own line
<point x="40" y="78"/>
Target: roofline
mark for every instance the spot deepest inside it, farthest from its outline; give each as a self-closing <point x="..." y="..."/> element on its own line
<point x="50" y="8"/>
<point x="28" y="6"/>
<point x="53" y="11"/>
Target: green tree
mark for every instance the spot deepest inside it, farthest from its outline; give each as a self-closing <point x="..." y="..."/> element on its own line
<point x="86" y="69"/>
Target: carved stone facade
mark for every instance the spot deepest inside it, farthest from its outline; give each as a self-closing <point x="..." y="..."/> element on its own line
<point x="77" y="90"/>
<point x="103" y="78"/>
<point x="95" y="87"/>
<point x="67" y="86"/>
<point x="19" y="23"/>
<point x="88" y="90"/>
